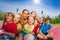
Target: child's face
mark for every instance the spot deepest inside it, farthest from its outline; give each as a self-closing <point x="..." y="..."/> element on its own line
<point x="48" y="21"/>
<point x="41" y="20"/>
<point x="33" y="14"/>
<point x="25" y="14"/>
<point x="30" y="20"/>
<point x="17" y="18"/>
<point x="35" y="21"/>
<point x="10" y="18"/>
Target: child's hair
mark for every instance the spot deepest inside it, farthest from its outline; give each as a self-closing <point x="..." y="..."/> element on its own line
<point x="25" y="10"/>
<point x="11" y="14"/>
<point x="4" y="20"/>
<point x="47" y="19"/>
<point x="30" y="16"/>
<point x="19" y="14"/>
<point x="43" y="18"/>
<point x="33" y="11"/>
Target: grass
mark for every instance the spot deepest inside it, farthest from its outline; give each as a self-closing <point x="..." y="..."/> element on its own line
<point x="56" y="24"/>
<point x="1" y="21"/>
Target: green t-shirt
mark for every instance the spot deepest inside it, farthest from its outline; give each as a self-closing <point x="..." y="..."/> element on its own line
<point x="26" y="29"/>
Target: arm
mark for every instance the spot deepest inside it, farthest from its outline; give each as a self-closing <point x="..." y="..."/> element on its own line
<point x="10" y="34"/>
<point x="49" y="32"/>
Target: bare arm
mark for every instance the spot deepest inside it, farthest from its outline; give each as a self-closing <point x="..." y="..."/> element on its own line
<point x="10" y="34"/>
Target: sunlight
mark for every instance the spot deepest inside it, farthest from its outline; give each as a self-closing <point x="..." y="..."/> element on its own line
<point x="36" y="1"/>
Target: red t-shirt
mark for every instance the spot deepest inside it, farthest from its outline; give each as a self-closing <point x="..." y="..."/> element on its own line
<point x="10" y="27"/>
<point x="36" y="28"/>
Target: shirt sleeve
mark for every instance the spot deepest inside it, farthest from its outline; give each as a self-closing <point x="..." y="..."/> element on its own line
<point x="42" y="27"/>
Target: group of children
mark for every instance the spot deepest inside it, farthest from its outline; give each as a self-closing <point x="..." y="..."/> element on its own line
<point x="26" y="26"/>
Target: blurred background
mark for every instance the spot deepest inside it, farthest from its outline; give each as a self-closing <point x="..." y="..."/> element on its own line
<point x="45" y="8"/>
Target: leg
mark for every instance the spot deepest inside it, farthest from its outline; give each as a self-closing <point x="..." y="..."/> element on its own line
<point x="40" y="36"/>
<point x="12" y="38"/>
<point x="20" y="37"/>
<point x="6" y="37"/>
<point x="35" y="37"/>
<point x="49" y="38"/>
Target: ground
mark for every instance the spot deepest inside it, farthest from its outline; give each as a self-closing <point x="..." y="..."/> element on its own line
<point x="56" y="24"/>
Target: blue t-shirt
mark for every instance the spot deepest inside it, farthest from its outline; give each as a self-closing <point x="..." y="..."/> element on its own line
<point x="44" y="28"/>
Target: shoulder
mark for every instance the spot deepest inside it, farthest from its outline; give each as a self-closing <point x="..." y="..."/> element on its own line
<point x="19" y="24"/>
<point x="50" y="24"/>
<point x="43" y="24"/>
<point x="38" y="25"/>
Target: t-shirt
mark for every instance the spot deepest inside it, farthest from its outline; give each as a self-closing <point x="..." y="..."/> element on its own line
<point x="11" y="28"/>
<point x="19" y="26"/>
<point x="26" y="29"/>
<point x="36" y="28"/>
<point x="44" y="28"/>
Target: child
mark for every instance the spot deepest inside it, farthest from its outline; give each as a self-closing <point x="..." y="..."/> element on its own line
<point x="37" y="26"/>
<point x="45" y="30"/>
<point x="33" y="13"/>
<point x="10" y="28"/>
<point x="17" y="20"/>
<point x="29" y="26"/>
<point x="25" y="14"/>
<point x="36" y="29"/>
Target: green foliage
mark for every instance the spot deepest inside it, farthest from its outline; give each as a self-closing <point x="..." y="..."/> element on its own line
<point x="58" y="24"/>
<point x="55" y="20"/>
<point x="1" y="15"/>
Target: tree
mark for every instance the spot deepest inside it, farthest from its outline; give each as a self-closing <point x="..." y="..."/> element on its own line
<point x="1" y="15"/>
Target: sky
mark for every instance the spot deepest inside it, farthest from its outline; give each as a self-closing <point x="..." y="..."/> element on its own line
<point x="49" y="7"/>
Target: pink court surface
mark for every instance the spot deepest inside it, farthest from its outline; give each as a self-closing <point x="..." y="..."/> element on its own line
<point x="55" y="32"/>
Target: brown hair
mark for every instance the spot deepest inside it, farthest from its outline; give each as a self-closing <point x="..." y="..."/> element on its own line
<point x="43" y="18"/>
<point x="10" y="13"/>
<point x="25" y="10"/>
<point x="47" y="19"/>
<point x="33" y="11"/>
<point x="30" y="16"/>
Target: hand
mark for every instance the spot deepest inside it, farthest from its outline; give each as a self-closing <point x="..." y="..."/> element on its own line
<point x="1" y="31"/>
<point x="12" y="35"/>
<point x="49" y="31"/>
<point x="38" y="31"/>
<point x="31" y="32"/>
